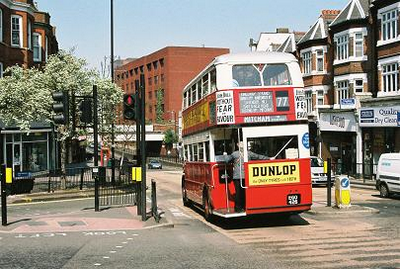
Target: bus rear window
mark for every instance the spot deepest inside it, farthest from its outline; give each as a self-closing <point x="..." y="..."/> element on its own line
<point x="276" y="74"/>
<point x="245" y="75"/>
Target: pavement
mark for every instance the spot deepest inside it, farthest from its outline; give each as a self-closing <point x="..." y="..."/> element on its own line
<point x="126" y="218"/>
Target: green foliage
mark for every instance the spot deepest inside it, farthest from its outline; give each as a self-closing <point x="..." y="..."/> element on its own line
<point x="170" y="137"/>
<point x="25" y="94"/>
<point x="159" y="105"/>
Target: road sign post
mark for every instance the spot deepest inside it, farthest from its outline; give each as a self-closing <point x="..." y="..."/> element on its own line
<point x="3" y="196"/>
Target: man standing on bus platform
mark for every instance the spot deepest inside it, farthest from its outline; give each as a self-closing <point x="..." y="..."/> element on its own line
<point x="237" y="158"/>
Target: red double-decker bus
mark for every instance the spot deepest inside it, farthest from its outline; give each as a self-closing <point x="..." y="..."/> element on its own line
<point x="255" y="100"/>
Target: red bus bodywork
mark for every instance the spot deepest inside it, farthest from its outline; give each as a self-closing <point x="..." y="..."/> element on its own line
<point x="207" y="180"/>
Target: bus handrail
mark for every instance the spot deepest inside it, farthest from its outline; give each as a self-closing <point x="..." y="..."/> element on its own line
<point x="212" y="174"/>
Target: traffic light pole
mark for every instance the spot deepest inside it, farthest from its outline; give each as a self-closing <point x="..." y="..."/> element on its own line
<point x="138" y="145"/>
<point x="143" y="144"/>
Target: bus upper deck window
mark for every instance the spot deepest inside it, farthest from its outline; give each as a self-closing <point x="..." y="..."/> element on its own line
<point x="276" y="74"/>
<point x="245" y="75"/>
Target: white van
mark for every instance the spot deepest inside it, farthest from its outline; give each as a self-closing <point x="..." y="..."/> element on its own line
<point x="318" y="176"/>
<point x="388" y="174"/>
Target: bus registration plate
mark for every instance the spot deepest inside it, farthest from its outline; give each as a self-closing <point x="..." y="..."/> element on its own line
<point x="293" y="199"/>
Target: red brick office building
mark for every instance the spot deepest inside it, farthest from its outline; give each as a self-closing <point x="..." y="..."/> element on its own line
<point x="26" y="36"/>
<point x="166" y="71"/>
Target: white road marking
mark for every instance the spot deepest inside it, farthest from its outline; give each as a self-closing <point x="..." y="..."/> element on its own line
<point x="97" y="264"/>
<point x="119" y="246"/>
<point x="178" y="213"/>
<point x="113" y="251"/>
<point x="106" y="257"/>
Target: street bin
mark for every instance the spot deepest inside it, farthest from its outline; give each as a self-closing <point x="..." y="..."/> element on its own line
<point x="342" y="191"/>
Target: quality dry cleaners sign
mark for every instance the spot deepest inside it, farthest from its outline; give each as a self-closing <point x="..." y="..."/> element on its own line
<point x="379" y="116"/>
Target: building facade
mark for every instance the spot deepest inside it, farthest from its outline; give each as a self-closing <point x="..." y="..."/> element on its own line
<point x="379" y="116"/>
<point x="166" y="72"/>
<point x="26" y="39"/>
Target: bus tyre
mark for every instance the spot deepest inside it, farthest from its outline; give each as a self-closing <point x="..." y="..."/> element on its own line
<point x="384" y="191"/>
<point x="185" y="200"/>
<point x="207" y="207"/>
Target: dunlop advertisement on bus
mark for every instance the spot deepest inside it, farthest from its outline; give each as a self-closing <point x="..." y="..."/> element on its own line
<point x="273" y="173"/>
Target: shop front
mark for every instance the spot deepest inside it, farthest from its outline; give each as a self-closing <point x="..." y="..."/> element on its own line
<point x="341" y="141"/>
<point x="27" y="153"/>
<point x="380" y="133"/>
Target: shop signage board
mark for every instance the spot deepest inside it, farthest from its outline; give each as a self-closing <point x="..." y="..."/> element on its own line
<point x="348" y="103"/>
<point x="379" y="116"/>
<point x="338" y="122"/>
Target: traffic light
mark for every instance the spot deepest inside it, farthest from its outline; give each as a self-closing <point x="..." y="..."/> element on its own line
<point x="60" y="107"/>
<point x="129" y="107"/>
<point x="86" y="111"/>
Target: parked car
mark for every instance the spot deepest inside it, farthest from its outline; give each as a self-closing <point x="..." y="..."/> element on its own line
<point x="388" y="174"/>
<point x="317" y="172"/>
<point x="154" y="164"/>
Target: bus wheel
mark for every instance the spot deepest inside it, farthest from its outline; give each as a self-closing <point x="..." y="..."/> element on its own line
<point x="207" y="207"/>
<point x="185" y="200"/>
<point x="384" y="190"/>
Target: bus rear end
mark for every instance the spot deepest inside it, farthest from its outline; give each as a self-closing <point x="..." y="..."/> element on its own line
<point x="278" y="186"/>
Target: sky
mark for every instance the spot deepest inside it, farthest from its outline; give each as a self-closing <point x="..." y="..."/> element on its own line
<point x="142" y="27"/>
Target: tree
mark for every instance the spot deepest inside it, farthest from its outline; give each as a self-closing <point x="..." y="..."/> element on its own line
<point x="23" y="97"/>
<point x="170" y="137"/>
<point x="25" y="94"/>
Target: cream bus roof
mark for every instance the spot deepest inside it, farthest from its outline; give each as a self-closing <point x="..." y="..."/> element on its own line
<point x="255" y="57"/>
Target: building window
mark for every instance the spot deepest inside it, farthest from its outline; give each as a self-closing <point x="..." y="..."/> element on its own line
<point x="46" y="48"/>
<point x="162" y="62"/>
<point x="342" y="47"/>
<point x="1" y="25"/>
<point x="389" y="25"/>
<point x="320" y="60"/>
<point x="308" y="96"/>
<point x="149" y="67"/>
<point x="16" y="31"/>
<point x="1" y="70"/>
<point x="390" y="76"/>
<point x="343" y="90"/>
<point x="150" y="94"/>
<point x="320" y="98"/>
<point x="149" y="81"/>
<point x="359" y="45"/>
<point x="29" y="35"/>
<point x="37" y="48"/>
<point x="155" y="65"/>
<point x="155" y="80"/>
<point x="358" y="85"/>
<point x="307" y="62"/>
<point x="162" y="78"/>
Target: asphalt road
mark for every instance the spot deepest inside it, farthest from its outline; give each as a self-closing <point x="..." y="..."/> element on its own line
<point x="326" y="240"/>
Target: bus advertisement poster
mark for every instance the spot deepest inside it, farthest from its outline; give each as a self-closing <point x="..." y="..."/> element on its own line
<point x="225" y="107"/>
<point x="273" y="173"/>
<point x="301" y="106"/>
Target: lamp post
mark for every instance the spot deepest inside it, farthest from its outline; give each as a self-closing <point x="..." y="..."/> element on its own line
<point x="112" y="80"/>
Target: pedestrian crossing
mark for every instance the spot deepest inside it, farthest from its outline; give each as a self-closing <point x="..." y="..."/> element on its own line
<point x="324" y="244"/>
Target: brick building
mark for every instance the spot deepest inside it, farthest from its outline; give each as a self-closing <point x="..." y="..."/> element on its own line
<point x="315" y="52"/>
<point x="379" y="116"/>
<point x="26" y="39"/>
<point x="26" y="35"/>
<point x="166" y="72"/>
